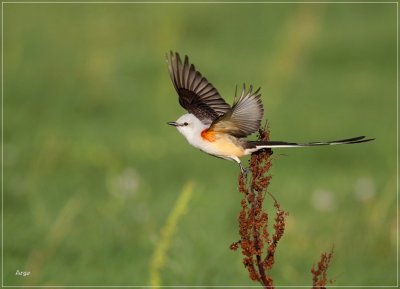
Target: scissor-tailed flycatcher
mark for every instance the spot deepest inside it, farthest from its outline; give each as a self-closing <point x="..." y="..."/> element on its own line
<point x="216" y="128"/>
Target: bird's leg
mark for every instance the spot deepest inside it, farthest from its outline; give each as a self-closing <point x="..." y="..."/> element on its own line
<point x="243" y="170"/>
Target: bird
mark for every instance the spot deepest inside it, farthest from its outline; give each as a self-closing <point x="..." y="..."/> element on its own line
<point x="218" y="129"/>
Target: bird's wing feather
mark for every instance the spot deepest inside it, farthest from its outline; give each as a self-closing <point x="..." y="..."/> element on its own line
<point x="196" y="94"/>
<point x="244" y="117"/>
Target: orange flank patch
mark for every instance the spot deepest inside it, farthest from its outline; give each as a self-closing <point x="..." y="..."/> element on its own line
<point x="208" y="135"/>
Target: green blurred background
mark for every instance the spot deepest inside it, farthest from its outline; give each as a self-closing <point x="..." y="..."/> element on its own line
<point x="92" y="171"/>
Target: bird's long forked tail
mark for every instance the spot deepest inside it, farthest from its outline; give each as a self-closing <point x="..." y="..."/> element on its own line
<point x="253" y="146"/>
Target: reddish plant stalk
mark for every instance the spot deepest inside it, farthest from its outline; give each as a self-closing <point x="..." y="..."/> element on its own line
<point x="258" y="247"/>
<point x="319" y="272"/>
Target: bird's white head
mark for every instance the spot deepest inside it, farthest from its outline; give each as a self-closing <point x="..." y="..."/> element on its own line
<point x="189" y="125"/>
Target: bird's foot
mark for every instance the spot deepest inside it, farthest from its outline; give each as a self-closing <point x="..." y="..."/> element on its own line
<point x="244" y="171"/>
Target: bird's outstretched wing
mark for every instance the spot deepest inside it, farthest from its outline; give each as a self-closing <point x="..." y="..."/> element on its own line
<point x="196" y="94"/>
<point x="244" y="117"/>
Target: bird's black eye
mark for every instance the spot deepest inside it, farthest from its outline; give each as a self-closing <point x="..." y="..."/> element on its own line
<point x="185" y="124"/>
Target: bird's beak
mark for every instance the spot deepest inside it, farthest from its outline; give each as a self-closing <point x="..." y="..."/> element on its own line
<point x="173" y="123"/>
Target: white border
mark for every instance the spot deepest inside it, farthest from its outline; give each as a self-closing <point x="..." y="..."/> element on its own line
<point x="196" y="2"/>
<point x="200" y="2"/>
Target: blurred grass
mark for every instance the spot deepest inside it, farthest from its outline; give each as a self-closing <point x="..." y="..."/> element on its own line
<point x="91" y="171"/>
<point x="167" y="234"/>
